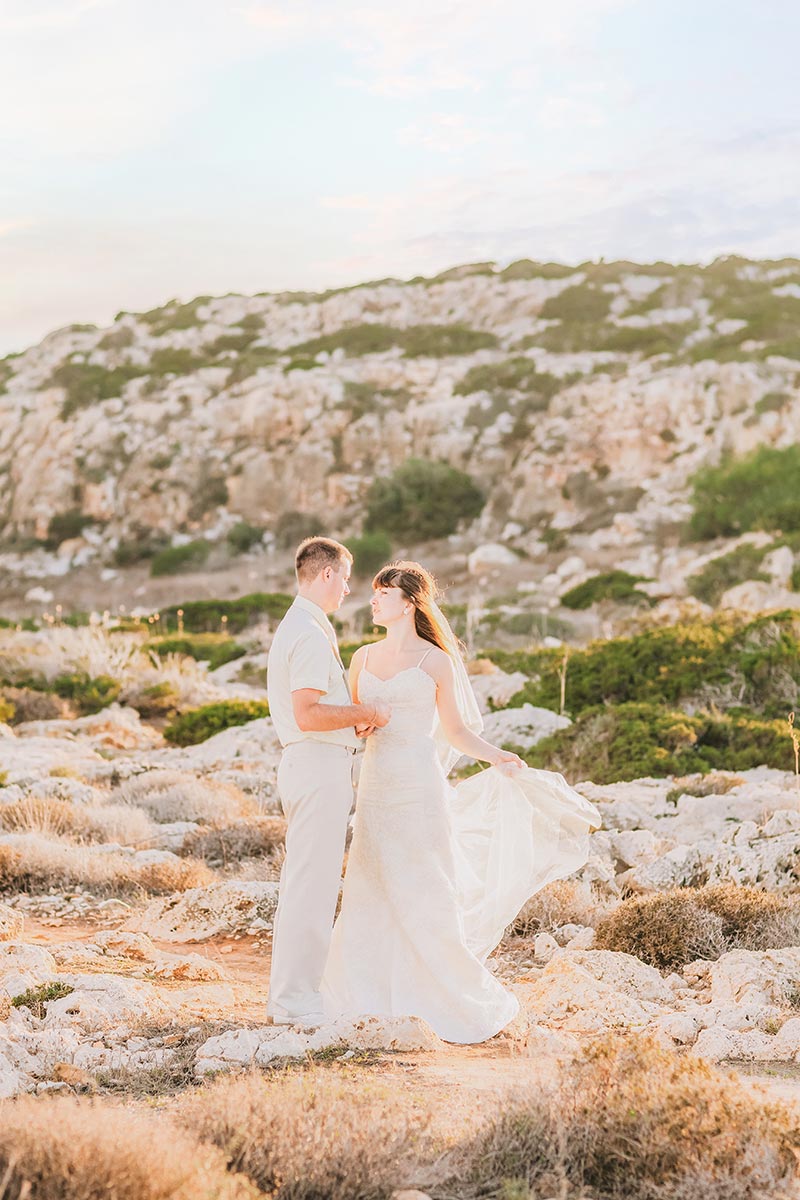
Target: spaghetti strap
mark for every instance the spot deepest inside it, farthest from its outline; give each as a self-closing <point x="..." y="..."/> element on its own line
<point x="425" y="655"/>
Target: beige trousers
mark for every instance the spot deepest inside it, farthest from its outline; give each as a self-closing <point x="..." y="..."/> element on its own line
<point x="315" y="785"/>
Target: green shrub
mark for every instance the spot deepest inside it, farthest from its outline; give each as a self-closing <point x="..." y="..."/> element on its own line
<point x="772" y="402"/>
<point x="87" y="384"/>
<point x="37" y="998"/>
<point x="142" y="544"/>
<point x="210" y="492"/>
<point x="201" y="616"/>
<point x="756" y="665"/>
<point x="174" y="559"/>
<point x="170" y="361"/>
<point x="89" y="693"/>
<point x="611" y="585"/>
<point x="244" y="536"/>
<point x="292" y="527"/>
<point x="524" y="268"/>
<point x="649" y="341"/>
<point x="436" y="341"/>
<point x="709" y="583"/>
<point x="7" y="711"/>
<point x="198" y="724"/>
<point x="173" y="316"/>
<point x="630" y="741"/>
<point x="228" y="343"/>
<point x="251" y="360"/>
<point x="758" y="491"/>
<point x="213" y="648"/>
<point x="66" y="525"/>
<point x="441" y="341"/>
<point x="301" y="364"/>
<point x="370" y="552"/>
<point x="513" y="374"/>
<point x="581" y="303"/>
<point x="422" y="500"/>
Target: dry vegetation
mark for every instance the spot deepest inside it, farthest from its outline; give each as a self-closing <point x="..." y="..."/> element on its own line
<point x="631" y="1121"/>
<point x="311" y="1135"/>
<point x="672" y="928"/>
<point x="34" y="863"/>
<point x="66" y="1149"/>
<point x="177" y="796"/>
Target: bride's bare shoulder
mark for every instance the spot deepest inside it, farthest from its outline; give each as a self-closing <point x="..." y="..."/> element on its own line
<point x="361" y="653"/>
<point x="437" y="661"/>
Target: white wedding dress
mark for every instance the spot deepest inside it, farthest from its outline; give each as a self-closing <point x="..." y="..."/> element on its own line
<point x="436" y="872"/>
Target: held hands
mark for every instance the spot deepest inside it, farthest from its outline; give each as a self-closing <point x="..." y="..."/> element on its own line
<point x="380" y="715"/>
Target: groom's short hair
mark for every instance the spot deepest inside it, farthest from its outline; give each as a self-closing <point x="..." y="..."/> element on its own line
<point x="314" y="554"/>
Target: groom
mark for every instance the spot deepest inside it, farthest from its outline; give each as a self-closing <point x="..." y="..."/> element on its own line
<point x="315" y="719"/>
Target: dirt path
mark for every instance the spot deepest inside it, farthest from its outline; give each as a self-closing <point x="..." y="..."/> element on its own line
<point x="463" y="1078"/>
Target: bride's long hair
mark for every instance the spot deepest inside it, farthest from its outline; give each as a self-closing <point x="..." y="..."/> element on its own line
<point x="419" y="586"/>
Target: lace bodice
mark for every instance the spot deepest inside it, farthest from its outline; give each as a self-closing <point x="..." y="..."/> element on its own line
<point x="411" y="694"/>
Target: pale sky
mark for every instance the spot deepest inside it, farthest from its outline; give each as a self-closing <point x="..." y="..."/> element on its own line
<point x="151" y="150"/>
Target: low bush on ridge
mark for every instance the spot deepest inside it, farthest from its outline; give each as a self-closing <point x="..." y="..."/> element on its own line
<point x="629" y="741"/>
<point x="754" y="666"/>
<point x="673" y="928"/>
<point x="198" y="724"/>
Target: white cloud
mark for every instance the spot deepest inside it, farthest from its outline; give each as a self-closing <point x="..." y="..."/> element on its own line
<point x="444" y="133"/>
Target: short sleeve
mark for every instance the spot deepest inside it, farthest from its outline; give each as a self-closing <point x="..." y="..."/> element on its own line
<point x="309" y="662"/>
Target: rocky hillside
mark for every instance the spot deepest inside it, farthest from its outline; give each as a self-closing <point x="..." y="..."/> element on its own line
<point x="581" y="401"/>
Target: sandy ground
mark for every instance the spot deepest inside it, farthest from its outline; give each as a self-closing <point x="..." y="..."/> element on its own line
<point x="463" y="1078"/>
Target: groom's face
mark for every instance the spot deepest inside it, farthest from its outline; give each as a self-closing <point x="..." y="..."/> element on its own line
<point x="336" y="586"/>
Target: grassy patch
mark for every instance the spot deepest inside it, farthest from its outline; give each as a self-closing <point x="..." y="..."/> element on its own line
<point x="213" y="648"/>
<point x="417" y="341"/>
<point x="88" y="693"/>
<point x="582" y="303"/>
<point x="198" y="724"/>
<point x="174" y="559"/>
<point x="758" y="491"/>
<point x="37" y="998"/>
<point x="741" y="564"/>
<point x="86" y="384"/>
<point x="243" y="537"/>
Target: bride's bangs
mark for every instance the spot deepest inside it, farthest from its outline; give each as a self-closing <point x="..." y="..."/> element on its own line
<point x="389" y="576"/>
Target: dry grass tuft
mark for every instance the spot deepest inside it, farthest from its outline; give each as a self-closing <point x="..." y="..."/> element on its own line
<point x="675" y="927"/>
<point x="68" y="1149"/>
<point x="220" y="844"/>
<point x="35" y="863"/>
<point x="632" y="1121"/>
<point x="45" y="814"/>
<point x="565" y="902"/>
<point x="178" y="796"/>
<point x="33" y="705"/>
<point x="317" y="1134"/>
<point x="165" y="877"/>
<point x="715" y="783"/>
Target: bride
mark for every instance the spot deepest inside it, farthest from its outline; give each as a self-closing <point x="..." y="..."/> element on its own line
<point x="436" y="872"/>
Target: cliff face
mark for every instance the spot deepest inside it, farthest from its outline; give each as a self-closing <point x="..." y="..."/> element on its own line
<point x="579" y="399"/>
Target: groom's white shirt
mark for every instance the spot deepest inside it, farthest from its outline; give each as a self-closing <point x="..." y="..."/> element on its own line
<point x="304" y="655"/>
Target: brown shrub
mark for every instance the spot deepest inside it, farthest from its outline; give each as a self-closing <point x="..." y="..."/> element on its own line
<point x="32" y="705"/>
<point x="168" y="876"/>
<point x="221" y="844"/>
<point x="316" y="1135"/>
<point x="633" y="1121"/>
<point x="567" y="901"/>
<point x="672" y="928"/>
<point x="66" y="1149"/>
<point x="715" y="783"/>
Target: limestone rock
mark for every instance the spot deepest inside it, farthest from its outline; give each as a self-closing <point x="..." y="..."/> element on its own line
<point x="201" y="913"/>
<point x="489" y="557"/>
<point x="11" y="923"/>
<point x="241" y="1047"/>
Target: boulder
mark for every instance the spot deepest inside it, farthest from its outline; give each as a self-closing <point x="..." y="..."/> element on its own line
<point x="489" y="557"/>
<point x="202" y="913"/>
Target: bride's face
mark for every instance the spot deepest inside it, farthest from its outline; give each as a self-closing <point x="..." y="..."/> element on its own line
<point x="388" y="605"/>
